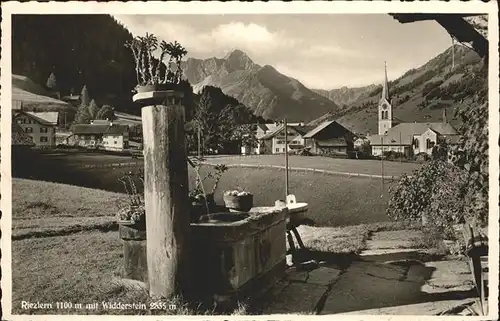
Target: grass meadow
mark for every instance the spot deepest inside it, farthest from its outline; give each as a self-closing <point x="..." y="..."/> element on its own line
<point x="66" y="246"/>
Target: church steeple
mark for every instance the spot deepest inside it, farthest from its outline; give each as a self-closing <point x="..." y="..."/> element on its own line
<point x="385" y="86"/>
<point x="384" y="107"/>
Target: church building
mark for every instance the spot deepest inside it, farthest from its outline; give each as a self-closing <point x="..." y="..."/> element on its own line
<point x="407" y="138"/>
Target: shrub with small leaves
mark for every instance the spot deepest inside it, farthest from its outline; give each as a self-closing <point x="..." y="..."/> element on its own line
<point x="435" y="191"/>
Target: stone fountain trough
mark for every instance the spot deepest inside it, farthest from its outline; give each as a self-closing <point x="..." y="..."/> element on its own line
<point x="237" y="255"/>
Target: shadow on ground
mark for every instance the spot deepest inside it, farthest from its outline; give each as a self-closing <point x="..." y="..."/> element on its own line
<point x="347" y="283"/>
<point x="373" y="284"/>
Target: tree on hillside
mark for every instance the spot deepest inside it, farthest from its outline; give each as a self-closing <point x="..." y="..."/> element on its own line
<point x="188" y="99"/>
<point x="82" y="115"/>
<point x="84" y="96"/>
<point x="88" y="48"/>
<point x="225" y="124"/>
<point x="106" y="112"/>
<point x="93" y="109"/>
<point x="206" y="119"/>
<point x="52" y="82"/>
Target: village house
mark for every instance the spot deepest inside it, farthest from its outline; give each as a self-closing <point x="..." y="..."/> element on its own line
<point x="329" y="138"/>
<point x="40" y="126"/>
<point x="264" y="146"/>
<point x="274" y="141"/>
<point x="101" y="134"/>
<point x="409" y="139"/>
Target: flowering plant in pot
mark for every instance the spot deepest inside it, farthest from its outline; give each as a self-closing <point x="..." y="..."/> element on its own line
<point x="238" y="200"/>
<point x="202" y="200"/>
<point x="133" y="212"/>
<point x="152" y="74"/>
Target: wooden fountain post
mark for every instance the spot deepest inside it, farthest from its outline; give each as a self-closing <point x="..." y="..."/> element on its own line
<point x="165" y="192"/>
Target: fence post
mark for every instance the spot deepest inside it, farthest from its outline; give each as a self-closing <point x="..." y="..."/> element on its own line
<point x="165" y="192"/>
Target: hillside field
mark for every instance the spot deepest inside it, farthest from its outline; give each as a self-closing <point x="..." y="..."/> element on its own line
<point x="81" y="265"/>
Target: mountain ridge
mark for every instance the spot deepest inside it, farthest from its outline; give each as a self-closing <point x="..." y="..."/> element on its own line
<point x="265" y="90"/>
<point x="346" y="95"/>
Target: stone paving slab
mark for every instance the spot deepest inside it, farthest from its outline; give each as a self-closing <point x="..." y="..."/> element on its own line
<point x="426" y="308"/>
<point x="323" y="276"/>
<point x="296" y="298"/>
<point x="379" y="270"/>
<point x="294" y="275"/>
<point x="366" y="285"/>
<point x="389" y="244"/>
<point x="397" y="235"/>
<point x="384" y="255"/>
<point x="448" y="276"/>
<point x="387" y="251"/>
<point x="418" y="273"/>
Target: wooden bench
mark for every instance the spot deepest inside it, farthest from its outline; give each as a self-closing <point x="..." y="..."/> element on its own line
<point x="477" y="251"/>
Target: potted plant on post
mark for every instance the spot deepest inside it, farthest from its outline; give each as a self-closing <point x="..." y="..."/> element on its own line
<point x="131" y="219"/>
<point x="160" y="93"/>
<point x="151" y="72"/>
<point x="238" y="200"/>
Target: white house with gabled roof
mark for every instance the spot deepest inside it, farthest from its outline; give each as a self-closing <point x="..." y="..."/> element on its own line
<point x="40" y="126"/>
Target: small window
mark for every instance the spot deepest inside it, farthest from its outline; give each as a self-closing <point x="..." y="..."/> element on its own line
<point x="116" y="142"/>
<point x="416" y="142"/>
<point x="20" y="121"/>
<point x="277" y="150"/>
<point x="44" y="139"/>
<point x="430" y="144"/>
<point x="44" y="130"/>
<point x="28" y="129"/>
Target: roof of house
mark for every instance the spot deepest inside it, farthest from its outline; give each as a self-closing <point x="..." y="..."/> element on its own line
<point x="318" y="128"/>
<point x="100" y="122"/>
<point x="332" y="142"/>
<point x="89" y="129"/>
<point x="273" y="132"/>
<point x="48" y="116"/>
<point x="303" y="129"/>
<point x="453" y="139"/>
<point x="322" y="126"/>
<point x="45" y="118"/>
<point x="299" y="128"/>
<point x="262" y="126"/>
<point x="402" y="134"/>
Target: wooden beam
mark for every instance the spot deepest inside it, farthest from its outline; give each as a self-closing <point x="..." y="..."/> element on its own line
<point x="165" y="193"/>
<point x="455" y="25"/>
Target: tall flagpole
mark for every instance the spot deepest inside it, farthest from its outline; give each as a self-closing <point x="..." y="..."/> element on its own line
<point x="199" y="140"/>
<point x="452" y="53"/>
<point x="382" y="162"/>
<point x="286" y="158"/>
<point x="401" y="145"/>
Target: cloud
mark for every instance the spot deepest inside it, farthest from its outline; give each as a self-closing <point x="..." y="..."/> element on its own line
<point x="250" y="37"/>
<point x="322" y="51"/>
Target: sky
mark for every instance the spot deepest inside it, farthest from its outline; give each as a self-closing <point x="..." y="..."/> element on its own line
<point x="323" y="51"/>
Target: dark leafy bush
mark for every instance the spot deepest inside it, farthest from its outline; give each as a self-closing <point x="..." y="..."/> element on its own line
<point x="434" y="192"/>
